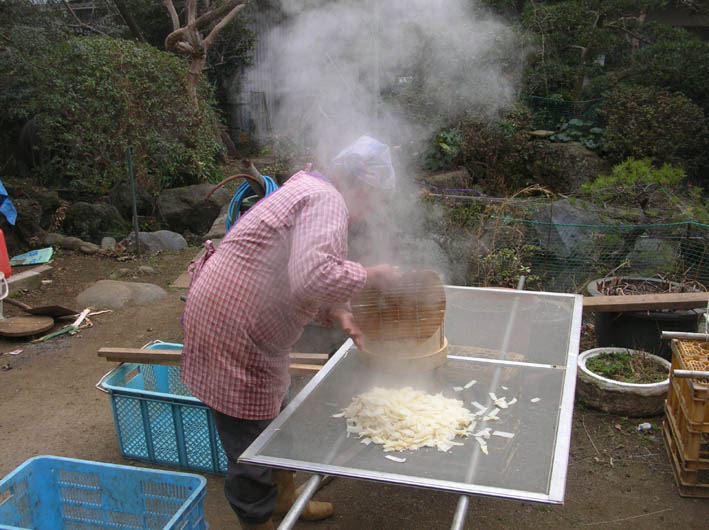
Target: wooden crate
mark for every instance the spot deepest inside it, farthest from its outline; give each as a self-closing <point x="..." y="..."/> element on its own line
<point x="693" y="394"/>
<point x="692" y="446"/>
<point x="690" y="482"/>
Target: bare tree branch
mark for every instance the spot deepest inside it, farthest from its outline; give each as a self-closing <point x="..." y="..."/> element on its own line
<point x="217" y="12"/>
<point x="173" y="15"/>
<point x="80" y="23"/>
<point x="191" y="12"/>
<point x="222" y="23"/>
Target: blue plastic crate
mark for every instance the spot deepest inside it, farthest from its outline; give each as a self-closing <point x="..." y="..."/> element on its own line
<point x="53" y="493"/>
<point x="158" y="421"/>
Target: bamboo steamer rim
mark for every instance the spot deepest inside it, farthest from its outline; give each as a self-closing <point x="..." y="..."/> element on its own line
<point x="388" y="362"/>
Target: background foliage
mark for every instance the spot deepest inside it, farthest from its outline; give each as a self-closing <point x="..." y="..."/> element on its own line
<point x="91" y="97"/>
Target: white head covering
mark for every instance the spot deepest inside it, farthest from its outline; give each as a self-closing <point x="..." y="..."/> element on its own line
<point x="369" y="160"/>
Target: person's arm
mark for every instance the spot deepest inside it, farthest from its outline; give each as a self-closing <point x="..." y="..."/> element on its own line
<point x="341" y="316"/>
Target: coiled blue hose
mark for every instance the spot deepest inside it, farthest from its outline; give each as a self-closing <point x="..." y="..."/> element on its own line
<point x="243" y="192"/>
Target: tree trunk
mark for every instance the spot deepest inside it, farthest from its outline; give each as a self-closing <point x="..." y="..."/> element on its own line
<point x="129" y="20"/>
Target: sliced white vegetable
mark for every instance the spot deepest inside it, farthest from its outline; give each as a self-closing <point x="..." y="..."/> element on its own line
<point x="504" y="387"/>
<point x="400" y="419"/>
<point x="338" y="415"/>
<point x="535" y="400"/>
<point x="492" y="396"/>
<point x="514" y="400"/>
<point x="501" y="403"/>
<point x="458" y="388"/>
<point x="469" y="384"/>
<point x="478" y="406"/>
<point x="483" y="445"/>
<point x="492" y="416"/>
<point x="396" y="459"/>
<point x="366" y="441"/>
<point x="503" y="434"/>
<point x="484" y="433"/>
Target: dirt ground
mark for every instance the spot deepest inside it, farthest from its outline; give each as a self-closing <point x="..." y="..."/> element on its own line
<point x="617" y="478"/>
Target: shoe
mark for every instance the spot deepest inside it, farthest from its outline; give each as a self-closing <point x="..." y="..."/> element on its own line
<point x="314" y="510"/>
<point x="268" y="525"/>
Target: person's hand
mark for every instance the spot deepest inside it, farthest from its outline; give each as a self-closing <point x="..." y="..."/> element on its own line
<point x="382" y="276"/>
<point x="346" y="322"/>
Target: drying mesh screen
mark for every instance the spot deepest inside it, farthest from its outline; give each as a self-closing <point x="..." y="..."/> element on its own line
<point x="533" y="329"/>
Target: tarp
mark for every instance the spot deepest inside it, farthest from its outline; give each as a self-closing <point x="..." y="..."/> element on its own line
<point x="6" y="206"/>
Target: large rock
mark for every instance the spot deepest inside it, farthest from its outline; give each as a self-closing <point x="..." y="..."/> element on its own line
<point x="91" y="222"/>
<point x="121" y="197"/>
<point x="26" y="232"/>
<point x="112" y="294"/>
<point x="570" y="230"/>
<point x="565" y="235"/>
<point x="456" y="178"/>
<point x="184" y="208"/>
<point x="564" y="167"/>
<point x="154" y="242"/>
<point x="218" y="229"/>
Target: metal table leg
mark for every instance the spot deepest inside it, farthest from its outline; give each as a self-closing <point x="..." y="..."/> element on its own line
<point x="300" y="503"/>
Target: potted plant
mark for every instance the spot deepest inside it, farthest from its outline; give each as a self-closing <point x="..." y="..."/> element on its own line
<point x="638" y="193"/>
<point x="641" y="330"/>
<point x="623" y="381"/>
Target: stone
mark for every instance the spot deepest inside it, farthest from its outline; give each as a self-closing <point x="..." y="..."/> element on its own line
<point x="541" y="133"/>
<point x="113" y="294"/>
<point x="26" y="232"/>
<point x="71" y="243"/>
<point x="185" y="208"/>
<point x="89" y="248"/>
<point x="120" y="197"/>
<point x="458" y="178"/>
<point x="559" y="238"/>
<point x="121" y="273"/>
<point x="218" y="229"/>
<point x="565" y="167"/>
<point x="108" y="242"/>
<point x="91" y="221"/>
<point x="146" y="269"/>
<point x="54" y="239"/>
<point x="153" y="242"/>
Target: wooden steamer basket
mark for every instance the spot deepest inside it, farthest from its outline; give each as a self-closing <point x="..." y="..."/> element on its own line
<point x="403" y="325"/>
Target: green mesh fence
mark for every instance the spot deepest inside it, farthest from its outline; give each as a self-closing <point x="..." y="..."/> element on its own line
<point x="550" y="113"/>
<point x="565" y="257"/>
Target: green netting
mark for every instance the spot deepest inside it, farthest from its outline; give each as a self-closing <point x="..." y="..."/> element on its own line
<point x="550" y="113"/>
<point x="565" y="257"/>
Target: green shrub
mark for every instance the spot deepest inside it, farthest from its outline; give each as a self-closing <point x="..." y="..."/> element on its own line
<point x="496" y="153"/>
<point x="659" y="192"/>
<point x="648" y="122"/>
<point x="576" y="130"/>
<point x="444" y="151"/>
<point x="92" y="97"/>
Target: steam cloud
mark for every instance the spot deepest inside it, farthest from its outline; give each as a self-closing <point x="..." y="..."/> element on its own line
<point x="331" y="64"/>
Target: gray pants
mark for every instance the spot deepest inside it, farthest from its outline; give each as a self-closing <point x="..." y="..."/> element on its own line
<point x="249" y="489"/>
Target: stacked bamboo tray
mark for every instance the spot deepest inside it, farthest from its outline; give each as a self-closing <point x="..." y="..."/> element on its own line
<point x="686" y="427"/>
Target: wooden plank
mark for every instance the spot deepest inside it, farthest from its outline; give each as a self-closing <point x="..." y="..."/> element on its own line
<point x="304" y="369"/>
<point x="172" y="357"/>
<point x="139" y="355"/>
<point x="645" y="302"/>
<point x="319" y="357"/>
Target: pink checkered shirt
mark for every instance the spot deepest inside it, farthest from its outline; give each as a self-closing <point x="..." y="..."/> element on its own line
<point x="251" y="299"/>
